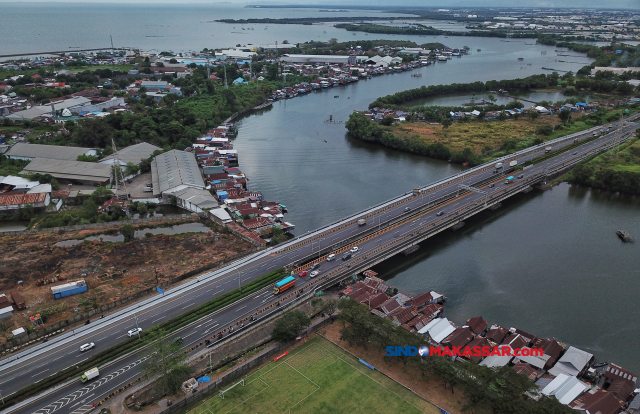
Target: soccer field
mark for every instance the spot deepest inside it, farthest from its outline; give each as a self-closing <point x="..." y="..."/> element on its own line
<point x="317" y="377"/>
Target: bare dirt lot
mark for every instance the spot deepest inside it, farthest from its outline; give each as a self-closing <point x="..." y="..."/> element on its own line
<point x="112" y="270"/>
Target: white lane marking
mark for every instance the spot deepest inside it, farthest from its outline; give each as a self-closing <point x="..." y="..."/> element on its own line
<point x="155" y="320"/>
<point x="207" y="331"/>
<point x="187" y="305"/>
<point x="186" y="336"/>
<point x="40" y="373"/>
<point x="241" y="308"/>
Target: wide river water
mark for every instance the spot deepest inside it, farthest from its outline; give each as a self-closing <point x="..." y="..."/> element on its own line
<point x="546" y="262"/>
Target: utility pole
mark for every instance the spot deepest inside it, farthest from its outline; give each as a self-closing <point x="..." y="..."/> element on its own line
<point x="225" y="76"/>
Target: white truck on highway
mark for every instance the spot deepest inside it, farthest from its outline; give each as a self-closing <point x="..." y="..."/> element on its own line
<point x="91" y="374"/>
<point x="362" y="222"/>
<point x="547" y="149"/>
<point x="513" y="163"/>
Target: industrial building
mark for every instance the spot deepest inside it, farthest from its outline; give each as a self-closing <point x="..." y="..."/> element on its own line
<point x="72" y="172"/>
<point x="176" y="173"/>
<point x="322" y="59"/>
<point x="29" y="152"/>
<point x="133" y="154"/>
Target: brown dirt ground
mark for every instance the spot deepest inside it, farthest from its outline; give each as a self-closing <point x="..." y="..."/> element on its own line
<point x="430" y="389"/>
<point x="112" y="270"/>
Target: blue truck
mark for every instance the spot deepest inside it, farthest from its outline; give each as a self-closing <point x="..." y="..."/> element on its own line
<point x="284" y="284"/>
<point x="68" y="289"/>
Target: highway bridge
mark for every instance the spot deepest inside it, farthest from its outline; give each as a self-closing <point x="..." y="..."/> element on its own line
<point x="392" y="227"/>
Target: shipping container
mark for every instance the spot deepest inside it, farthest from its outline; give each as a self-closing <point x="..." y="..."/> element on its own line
<point x="17" y="300"/>
<point x="69" y="289"/>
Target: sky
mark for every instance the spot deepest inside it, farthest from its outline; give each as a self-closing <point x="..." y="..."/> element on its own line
<point x="609" y="4"/>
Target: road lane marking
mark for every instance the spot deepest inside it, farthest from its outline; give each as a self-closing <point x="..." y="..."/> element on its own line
<point x="40" y="373"/>
<point x="241" y="308"/>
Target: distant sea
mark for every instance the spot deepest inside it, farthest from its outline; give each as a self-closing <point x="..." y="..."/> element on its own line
<point x="39" y="27"/>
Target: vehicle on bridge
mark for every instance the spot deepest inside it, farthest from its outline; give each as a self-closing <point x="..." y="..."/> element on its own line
<point x="362" y="222"/>
<point x="89" y="375"/>
<point x="331" y="257"/>
<point x="509" y="179"/>
<point x="284" y="284"/>
<point x="303" y="273"/>
<point x="86" y="347"/>
<point x="547" y="149"/>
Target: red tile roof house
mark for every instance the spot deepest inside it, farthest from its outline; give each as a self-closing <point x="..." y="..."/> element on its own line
<point x="477" y="325"/>
<point x="496" y="334"/>
<point x="597" y="401"/>
<point x="402" y="315"/>
<point x="619" y="381"/>
<point x="459" y="337"/>
<point x="526" y="369"/>
<point x="552" y="350"/>
<point x="481" y="342"/>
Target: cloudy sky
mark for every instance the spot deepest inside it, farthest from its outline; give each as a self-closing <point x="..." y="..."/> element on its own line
<point x="609" y="4"/>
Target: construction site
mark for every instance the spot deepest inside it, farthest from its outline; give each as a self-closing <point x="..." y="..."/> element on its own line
<point x="33" y="264"/>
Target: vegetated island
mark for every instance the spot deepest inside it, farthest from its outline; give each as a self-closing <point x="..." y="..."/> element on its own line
<point x="309" y="20"/>
<point x="492" y="131"/>
<point x="423" y="30"/>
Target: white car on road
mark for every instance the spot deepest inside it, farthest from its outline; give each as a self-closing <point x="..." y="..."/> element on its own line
<point x="331" y="257"/>
<point x="86" y="347"/>
<point x="354" y="249"/>
<point x="133" y="332"/>
<point x="314" y="273"/>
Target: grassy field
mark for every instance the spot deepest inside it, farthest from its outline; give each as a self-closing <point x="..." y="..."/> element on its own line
<point x="479" y="136"/>
<point x="317" y="377"/>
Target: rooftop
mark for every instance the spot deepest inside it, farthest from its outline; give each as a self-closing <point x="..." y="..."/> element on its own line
<point x="174" y="169"/>
<point x="56" y="152"/>
<point x="70" y="170"/>
<point x="133" y="153"/>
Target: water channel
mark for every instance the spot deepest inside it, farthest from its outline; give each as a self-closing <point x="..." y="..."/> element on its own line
<point x="548" y="262"/>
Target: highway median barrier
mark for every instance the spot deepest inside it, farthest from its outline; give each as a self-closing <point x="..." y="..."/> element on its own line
<point x="146" y="337"/>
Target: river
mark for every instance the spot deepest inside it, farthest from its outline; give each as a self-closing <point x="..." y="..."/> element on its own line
<point x="546" y="262"/>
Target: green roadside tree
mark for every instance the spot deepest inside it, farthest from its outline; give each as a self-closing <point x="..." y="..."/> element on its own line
<point x="128" y="231"/>
<point x="290" y="326"/>
<point x="168" y="363"/>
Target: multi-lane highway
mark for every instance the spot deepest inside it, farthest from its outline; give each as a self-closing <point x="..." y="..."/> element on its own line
<point x="390" y="226"/>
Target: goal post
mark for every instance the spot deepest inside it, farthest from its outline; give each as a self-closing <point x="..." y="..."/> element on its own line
<point x="222" y="392"/>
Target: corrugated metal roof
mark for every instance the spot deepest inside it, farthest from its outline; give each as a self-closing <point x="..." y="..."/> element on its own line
<point x="23" y="149"/>
<point x="13" y="199"/>
<point x="70" y="170"/>
<point x="175" y="168"/>
<point x="133" y="153"/>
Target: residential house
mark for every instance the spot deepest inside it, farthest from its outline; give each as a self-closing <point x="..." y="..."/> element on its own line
<point x="438" y="329"/>
<point x="565" y="388"/>
<point x="597" y="401"/>
<point x="552" y="350"/>
<point x="477" y="325"/>
<point x="573" y="362"/>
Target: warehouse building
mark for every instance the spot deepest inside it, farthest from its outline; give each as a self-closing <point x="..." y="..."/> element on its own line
<point x="176" y="173"/>
<point x="29" y="152"/>
<point x="134" y="154"/>
<point x="322" y="59"/>
<point x="71" y="172"/>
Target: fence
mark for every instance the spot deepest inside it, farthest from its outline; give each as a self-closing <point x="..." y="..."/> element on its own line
<point x="97" y="225"/>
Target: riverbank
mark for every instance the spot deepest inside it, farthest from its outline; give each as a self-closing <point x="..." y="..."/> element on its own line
<point x="617" y="171"/>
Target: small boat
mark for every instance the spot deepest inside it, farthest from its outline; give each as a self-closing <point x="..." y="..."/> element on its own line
<point x="624" y="236"/>
<point x="479" y="50"/>
<point x="336" y="96"/>
<point x="599" y="364"/>
<point x="416" y="75"/>
<point x="521" y="59"/>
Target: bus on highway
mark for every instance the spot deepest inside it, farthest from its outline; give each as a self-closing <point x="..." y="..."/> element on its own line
<point x="284" y="284"/>
<point x="509" y="179"/>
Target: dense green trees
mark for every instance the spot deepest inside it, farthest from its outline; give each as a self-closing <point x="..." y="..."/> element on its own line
<point x="167" y="361"/>
<point x="289" y="326"/>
